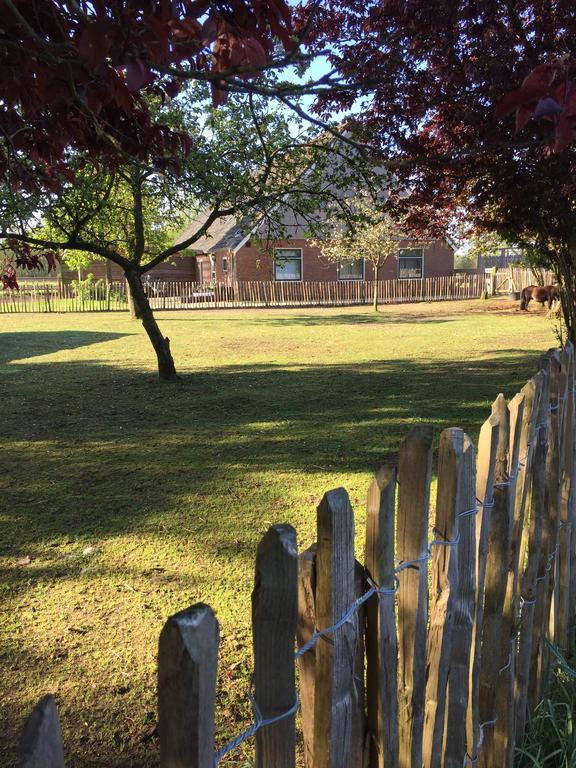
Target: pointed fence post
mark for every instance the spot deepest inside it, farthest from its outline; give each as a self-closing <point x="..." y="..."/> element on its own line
<point x="530" y="551"/>
<point x="41" y="741"/>
<point x="566" y="535"/>
<point x="504" y="683"/>
<point x="307" y="662"/>
<point x="540" y="488"/>
<point x="274" y="615"/>
<point x="381" y="638"/>
<point x="187" y="667"/>
<point x="487" y="447"/>
<point x="494" y="658"/>
<point x="334" y="702"/>
<point x="414" y="473"/>
<point x="444" y="583"/>
<point x="553" y="476"/>
<point x="464" y="612"/>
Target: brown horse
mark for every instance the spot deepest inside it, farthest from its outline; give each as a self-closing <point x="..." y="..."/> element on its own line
<point x="541" y="293"/>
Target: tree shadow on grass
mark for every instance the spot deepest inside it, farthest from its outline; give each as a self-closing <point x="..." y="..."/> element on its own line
<point x="112" y="450"/>
<point x="196" y="471"/>
<point x="20" y="345"/>
<point x="277" y="316"/>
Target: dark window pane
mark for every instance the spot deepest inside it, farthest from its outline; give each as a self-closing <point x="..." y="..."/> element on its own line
<point x="288" y="264"/>
<point x="410" y="263"/>
<point x="351" y="270"/>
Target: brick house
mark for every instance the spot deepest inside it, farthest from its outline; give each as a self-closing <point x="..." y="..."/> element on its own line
<point x="233" y="251"/>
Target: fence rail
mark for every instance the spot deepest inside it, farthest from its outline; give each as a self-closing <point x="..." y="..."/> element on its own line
<point x="455" y="635"/>
<point x="172" y="295"/>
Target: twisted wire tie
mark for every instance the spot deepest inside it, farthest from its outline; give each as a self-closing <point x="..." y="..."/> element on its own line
<point x="550" y="559"/>
<point x="516" y="634"/>
<point x="259" y="721"/>
<point x="486" y="724"/>
<point x="524" y="602"/>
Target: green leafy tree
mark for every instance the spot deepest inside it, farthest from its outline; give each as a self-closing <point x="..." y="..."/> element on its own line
<point x="245" y="160"/>
<point x="371" y="235"/>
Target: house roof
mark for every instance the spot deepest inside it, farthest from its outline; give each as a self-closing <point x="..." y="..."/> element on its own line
<point x="226" y="233"/>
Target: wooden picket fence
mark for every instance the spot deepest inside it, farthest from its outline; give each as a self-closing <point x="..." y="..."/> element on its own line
<point x="513" y="279"/>
<point x="433" y="652"/>
<point x="174" y="294"/>
<point x="63" y="297"/>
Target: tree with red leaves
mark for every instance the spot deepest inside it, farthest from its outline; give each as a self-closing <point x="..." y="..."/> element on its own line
<point x="448" y="75"/>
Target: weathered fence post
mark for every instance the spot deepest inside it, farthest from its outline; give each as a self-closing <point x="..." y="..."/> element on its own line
<point x="493" y="659"/>
<point x="530" y="550"/>
<point x="41" y="741"/>
<point x="566" y="539"/>
<point x="487" y="447"/>
<point x="552" y="501"/>
<point x="381" y="638"/>
<point x="274" y="615"/>
<point x="307" y="662"/>
<point x="414" y="473"/>
<point x="504" y="683"/>
<point x="464" y="612"/>
<point x="540" y="487"/>
<point x="444" y="582"/>
<point x="334" y="699"/>
<point x="187" y="666"/>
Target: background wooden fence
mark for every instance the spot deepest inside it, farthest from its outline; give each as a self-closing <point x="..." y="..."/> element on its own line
<point x="102" y="296"/>
<point x="435" y="650"/>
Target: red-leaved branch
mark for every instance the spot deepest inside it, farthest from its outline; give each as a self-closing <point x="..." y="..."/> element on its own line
<point x="547" y="94"/>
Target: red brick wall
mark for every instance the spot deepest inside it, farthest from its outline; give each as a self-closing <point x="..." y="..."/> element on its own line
<point x="177" y="268"/>
<point x="253" y="264"/>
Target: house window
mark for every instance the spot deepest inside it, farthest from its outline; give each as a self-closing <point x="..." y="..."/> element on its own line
<point x="288" y="264"/>
<point x="224" y="264"/>
<point x="410" y="263"/>
<point x="351" y="270"/>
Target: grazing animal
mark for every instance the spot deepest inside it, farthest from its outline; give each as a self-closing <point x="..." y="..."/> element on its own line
<point x="541" y="293"/>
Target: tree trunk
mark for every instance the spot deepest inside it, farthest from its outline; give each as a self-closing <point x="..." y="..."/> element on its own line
<point x="161" y="344"/>
<point x="134" y="310"/>
<point x="375" y="294"/>
<point x="568" y="298"/>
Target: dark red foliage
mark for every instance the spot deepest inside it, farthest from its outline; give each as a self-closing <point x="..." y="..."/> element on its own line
<point x="73" y="74"/>
<point x="547" y="93"/>
<point x="22" y="255"/>
<point x="440" y="79"/>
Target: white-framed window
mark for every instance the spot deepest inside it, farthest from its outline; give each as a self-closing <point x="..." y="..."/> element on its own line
<point x="288" y="264"/>
<point x="224" y="264"/>
<point x="351" y="270"/>
<point x="411" y="263"/>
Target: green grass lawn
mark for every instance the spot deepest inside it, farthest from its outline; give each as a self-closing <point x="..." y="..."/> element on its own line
<point x="124" y="500"/>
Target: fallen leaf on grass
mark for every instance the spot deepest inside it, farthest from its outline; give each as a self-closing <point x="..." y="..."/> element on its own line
<point x="24" y="561"/>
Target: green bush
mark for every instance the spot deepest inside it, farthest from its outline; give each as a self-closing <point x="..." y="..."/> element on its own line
<point x="84" y="289"/>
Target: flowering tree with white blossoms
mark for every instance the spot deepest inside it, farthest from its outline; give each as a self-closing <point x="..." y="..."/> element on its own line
<point x="373" y="236"/>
